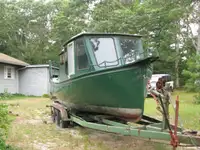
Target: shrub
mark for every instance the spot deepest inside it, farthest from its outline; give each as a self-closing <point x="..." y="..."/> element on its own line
<point x="193" y="77"/>
<point x="4" y="120"/>
<point x="3" y="146"/>
<point x="197" y="99"/>
<point x="45" y="95"/>
<point x="5" y="95"/>
<point x="4" y="125"/>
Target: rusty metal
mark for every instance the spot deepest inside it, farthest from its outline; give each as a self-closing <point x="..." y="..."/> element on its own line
<point x="176" y="115"/>
<point x="63" y="111"/>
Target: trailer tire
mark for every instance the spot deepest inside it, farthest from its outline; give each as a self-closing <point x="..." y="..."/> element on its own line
<point x="53" y="115"/>
<point x="58" y="120"/>
<point x="57" y="117"/>
<point x="171" y="89"/>
<point x="64" y="124"/>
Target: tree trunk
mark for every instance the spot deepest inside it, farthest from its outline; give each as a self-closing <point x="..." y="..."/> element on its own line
<point x="177" y="79"/>
<point x="177" y="83"/>
<point x="198" y="40"/>
<point x="198" y="36"/>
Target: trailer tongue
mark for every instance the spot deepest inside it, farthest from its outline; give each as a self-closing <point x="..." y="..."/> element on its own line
<point x="147" y="128"/>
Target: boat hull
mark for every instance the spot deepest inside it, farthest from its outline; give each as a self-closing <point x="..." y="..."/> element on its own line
<point x="119" y="92"/>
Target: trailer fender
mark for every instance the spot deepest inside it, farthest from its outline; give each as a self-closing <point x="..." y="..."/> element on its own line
<point x="63" y="111"/>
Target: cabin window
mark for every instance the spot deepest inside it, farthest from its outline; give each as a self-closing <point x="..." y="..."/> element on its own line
<point x="81" y="56"/>
<point x="70" y="57"/>
<point x="66" y="63"/>
<point x="9" y="72"/>
<point x="105" y="52"/>
<point x="132" y="49"/>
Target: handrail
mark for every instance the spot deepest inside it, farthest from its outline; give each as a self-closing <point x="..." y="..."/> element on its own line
<point x="141" y="55"/>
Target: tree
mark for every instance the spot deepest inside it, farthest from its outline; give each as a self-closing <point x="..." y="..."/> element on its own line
<point x="71" y="18"/>
<point x="159" y="21"/>
<point x="35" y="31"/>
<point x="25" y="31"/>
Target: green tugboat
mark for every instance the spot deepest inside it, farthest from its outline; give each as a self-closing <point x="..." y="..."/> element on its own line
<point x="102" y="84"/>
<point x="104" y="73"/>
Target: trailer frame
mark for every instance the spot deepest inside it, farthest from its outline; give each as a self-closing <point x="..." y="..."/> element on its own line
<point x="147" y="128"/>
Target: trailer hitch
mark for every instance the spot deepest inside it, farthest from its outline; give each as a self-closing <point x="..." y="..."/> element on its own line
<point x="163" y="96"/>
<point x="174" y="137"/>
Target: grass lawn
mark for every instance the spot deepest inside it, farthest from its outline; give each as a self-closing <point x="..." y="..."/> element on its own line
<point x="188" y="111"/>
<point x="7" y="96"/>
<point x="32" y="129"/>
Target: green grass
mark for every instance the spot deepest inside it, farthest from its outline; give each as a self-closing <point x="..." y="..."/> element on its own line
<point x="26" y="133"/>
<point x="7" y="96"/>
<point x="29" y="134"/>
<point x="188" y="111"/>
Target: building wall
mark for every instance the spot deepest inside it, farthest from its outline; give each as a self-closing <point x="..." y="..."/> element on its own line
<point x="9" y="85"/>
<point x="34" y="81"/>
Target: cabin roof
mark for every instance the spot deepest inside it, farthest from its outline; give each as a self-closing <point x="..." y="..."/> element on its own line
<point x="99" y="34"/>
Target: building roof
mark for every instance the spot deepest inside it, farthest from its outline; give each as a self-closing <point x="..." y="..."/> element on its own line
<point x="99" y="34"/>
<point x="10" y="60"/>
<point x="38" y="66"/>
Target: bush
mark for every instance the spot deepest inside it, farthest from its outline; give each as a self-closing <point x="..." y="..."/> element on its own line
<point x="193" y="77"/>
<point x="9" y="96"/>
<point x="197" y="99"/>
<point x="5" y="95"/>
<point x="4" y="120"/>
<point x="3" y="146"/>
<point x="4" y="125"/>
<point x="45" y="95"/>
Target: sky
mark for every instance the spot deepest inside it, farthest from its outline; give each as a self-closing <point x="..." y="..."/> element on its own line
<point x="194" y="28"/>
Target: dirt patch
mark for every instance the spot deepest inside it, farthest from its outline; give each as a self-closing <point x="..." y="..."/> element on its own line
<point x="19" y="119"/>
<point x="31" y="121"/>
<point x="34" y="130"/>
<point x="43" y="146"/>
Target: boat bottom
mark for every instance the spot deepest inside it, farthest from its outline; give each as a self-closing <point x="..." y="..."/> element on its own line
<point x="128" y="114"/>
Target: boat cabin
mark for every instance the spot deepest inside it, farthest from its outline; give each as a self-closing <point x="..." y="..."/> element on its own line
<point x="89" y="52"/>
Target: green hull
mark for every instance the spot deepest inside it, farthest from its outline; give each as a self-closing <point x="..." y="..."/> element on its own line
<point x="118" y="91"/>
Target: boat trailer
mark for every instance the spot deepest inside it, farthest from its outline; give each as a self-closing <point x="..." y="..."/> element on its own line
<point x="147" y="128"/>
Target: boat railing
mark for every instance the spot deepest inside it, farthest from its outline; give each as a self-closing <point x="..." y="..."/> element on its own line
<point x="131" y="57"/>
<point x="53" y="70"/>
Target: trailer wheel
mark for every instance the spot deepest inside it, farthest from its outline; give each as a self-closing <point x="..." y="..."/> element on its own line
<point x="59" y="122"/>
<point x="53" y="115"/>
<point x="171" y="89"/>
<point x="64" y="124"/>
<point x="57" y="117"/>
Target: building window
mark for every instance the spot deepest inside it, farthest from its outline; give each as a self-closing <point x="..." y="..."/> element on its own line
<point x="82" y="59"/>
<point x="9" y="72"/>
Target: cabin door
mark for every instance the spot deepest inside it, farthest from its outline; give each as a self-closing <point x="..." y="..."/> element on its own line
<point x="70" y="52"/>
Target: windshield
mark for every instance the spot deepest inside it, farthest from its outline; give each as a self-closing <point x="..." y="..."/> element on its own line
<point x="131" y="48"/>
<point x="104" y="50"/>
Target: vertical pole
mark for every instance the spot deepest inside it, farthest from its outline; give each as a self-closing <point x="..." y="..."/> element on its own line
<point x="175" y="138"/>
<point x="176" y="115"/>
<point x="166" y="107"/>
